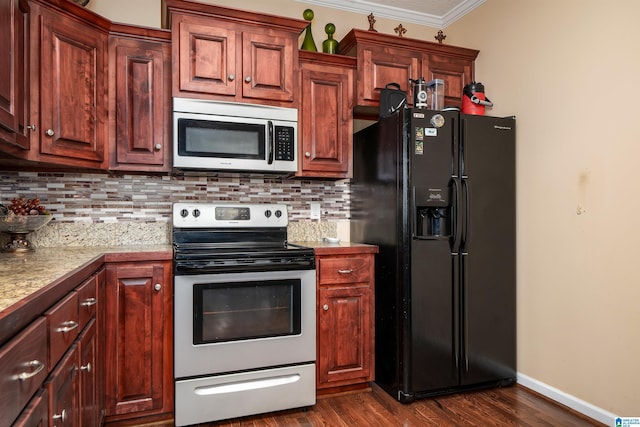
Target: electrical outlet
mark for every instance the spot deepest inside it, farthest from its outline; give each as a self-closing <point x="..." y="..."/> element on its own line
<point x="315" y="210"/>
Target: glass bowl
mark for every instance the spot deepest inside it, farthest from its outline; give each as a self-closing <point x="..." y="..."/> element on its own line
<point x="22" y="224"/>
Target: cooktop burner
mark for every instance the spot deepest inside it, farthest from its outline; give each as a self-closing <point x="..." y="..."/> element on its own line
<point x="215" y="238"/>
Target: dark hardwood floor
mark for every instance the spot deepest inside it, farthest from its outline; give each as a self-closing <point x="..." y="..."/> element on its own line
<point x="515" y="406"/>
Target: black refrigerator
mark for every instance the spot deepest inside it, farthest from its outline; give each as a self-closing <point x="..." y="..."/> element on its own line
<point x="435" y="190"/>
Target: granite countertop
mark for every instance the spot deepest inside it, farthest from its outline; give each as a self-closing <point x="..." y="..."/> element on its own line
<point x="22" y="275"/>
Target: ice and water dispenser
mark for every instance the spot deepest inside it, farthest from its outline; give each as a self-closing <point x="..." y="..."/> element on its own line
<point x="432" y="212"/>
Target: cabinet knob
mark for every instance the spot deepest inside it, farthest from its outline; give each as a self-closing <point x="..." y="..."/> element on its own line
<point x="232" y="77"/>
<point x="349" y="271"/>
<point x="31" y="127"/>
<point x="247" y="79"/>
<point x="61" y="416"/>
<point x="86" y="367"/>
<point x="307" y="154"/>
<point x="325" y="307"/>
<point x="157" y="147"/>
<point x="50" y="132"/>
<point x="157" y="287"/>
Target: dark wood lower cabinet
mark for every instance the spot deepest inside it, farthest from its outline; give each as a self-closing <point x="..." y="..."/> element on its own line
<point x="62" y="387"/>
<point x="89" y="411"/>
<point x="139" y="373"/>
<point x="36" y="414"/>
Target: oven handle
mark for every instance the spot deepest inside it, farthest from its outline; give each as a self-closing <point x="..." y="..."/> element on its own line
<point x="237" y="386"/>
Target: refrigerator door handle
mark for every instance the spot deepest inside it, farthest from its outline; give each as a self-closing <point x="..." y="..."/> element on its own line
<point x="455" y="216"/>
<point x="467" y="215"/>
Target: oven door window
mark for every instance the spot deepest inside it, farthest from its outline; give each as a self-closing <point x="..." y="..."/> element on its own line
<point x="245" y="310"/>
<point x="209" y="138"/>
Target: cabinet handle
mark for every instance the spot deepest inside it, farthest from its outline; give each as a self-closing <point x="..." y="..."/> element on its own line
<point x="158" y="147"/>
<point x="345" y="271"/>
<point x="36" y="367"/>
<point x="67" y="326"/>
<point x="89" y="302"/>
<point x="307" y="154"/>
<point x="325" y="307"/>
<point x="247" y="79"/>
<point x="50" y="132"/>
<point x="31" y="127"/>
<point x="232" y="77"/>
<point x="157" y="287"/>
<point x="62" y="416"/>
<point x="86" y="367"/>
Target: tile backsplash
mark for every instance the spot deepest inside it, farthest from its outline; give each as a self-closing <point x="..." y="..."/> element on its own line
<point x="92" y="209"/>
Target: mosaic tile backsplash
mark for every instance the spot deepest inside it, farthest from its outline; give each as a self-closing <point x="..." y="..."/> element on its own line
<point x="95" y="209"/>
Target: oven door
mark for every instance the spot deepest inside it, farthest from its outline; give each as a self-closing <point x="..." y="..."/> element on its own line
<point x="239" y="321"/>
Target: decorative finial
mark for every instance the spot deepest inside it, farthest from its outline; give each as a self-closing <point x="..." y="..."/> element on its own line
<point x="372" y="20"/>
<point x="440" y="37"/>
<point x="400" y="30"/>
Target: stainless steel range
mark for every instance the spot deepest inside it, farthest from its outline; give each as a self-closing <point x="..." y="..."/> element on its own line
<point x="244" y="310"/>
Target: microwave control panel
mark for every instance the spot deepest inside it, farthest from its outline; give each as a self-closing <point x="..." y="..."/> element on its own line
<point x="284" y="143"/>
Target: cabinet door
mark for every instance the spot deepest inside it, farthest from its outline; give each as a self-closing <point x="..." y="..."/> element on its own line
<point x="326" y="121"/>
<point x="14" y="85"/>
<point x="73" y="92"/>
<point x="206" y="58"/>
<point x="88" y="377"/>
<point x="344" y="352"/>
<point x="456" y="73"/>
<point x="139" y="370"/>
<point x="382" y="65"/>
<point x="62" y="387"/>
<point x="268" y="66"/>
<point x="142" y="104"/>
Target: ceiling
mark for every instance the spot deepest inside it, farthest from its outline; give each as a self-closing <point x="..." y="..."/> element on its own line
<point x="432" y="13"/>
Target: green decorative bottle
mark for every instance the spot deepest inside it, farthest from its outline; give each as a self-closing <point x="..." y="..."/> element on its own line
<point x="330" y="45"/>
<point x="308" y="43"/>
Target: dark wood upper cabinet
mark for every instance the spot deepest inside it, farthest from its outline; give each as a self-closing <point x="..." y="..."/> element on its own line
<point x="73" y="91"/>
<point x="232" y="55"/>
<point x="386" y="59"/>
<point x="14" y="84"/>
<point x="325" y="131"/>
<point x="140" y="101"/>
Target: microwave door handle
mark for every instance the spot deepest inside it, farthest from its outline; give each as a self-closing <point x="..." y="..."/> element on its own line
<point x="270" y="144"/>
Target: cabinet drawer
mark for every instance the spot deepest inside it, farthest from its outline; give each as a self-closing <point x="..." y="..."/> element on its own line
<point x="335" y="270"/>
<point x="63" y="325"/>
<point x="87" y="301"/>
<point x="37" y="413"/>
<point x="23" y="368"/>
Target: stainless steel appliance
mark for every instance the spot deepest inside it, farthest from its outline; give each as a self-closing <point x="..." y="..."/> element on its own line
<point x="436" y="191"/>
<point x="214" y="135"/>
<point x="244" y="310"/>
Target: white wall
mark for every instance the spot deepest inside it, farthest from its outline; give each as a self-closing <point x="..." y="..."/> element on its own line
<point x="568" y="70"/>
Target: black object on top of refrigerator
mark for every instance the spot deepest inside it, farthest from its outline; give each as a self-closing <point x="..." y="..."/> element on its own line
<point x="436" y="192"/>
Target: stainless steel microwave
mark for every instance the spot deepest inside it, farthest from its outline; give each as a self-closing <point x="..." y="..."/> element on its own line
<point x="213" y="135"/>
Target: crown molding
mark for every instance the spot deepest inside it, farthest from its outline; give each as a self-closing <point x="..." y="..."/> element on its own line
<point x="404" y="15"/>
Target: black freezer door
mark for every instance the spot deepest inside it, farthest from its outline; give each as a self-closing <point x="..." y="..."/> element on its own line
<point x="488" y="309"/>
<point x="433" y="348"/>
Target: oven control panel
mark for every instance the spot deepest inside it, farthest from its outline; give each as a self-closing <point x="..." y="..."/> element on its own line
<point x="218" y="215"/>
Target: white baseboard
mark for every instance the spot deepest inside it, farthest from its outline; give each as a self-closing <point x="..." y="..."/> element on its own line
<point x="572" y="402"/>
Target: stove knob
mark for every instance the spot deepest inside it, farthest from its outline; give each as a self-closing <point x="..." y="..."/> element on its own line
<point x="196" y="213"/>
<point x="267" y="213"/>
<point x="278" y="213"/>
<point x="184" y="213"/>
